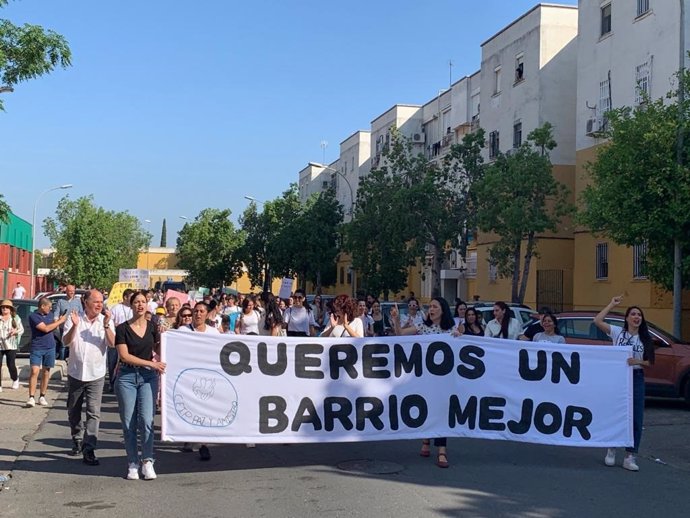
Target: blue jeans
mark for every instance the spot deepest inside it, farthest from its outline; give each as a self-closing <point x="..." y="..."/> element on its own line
<point x="638" y="409"/>
<point x="136" y="389"/>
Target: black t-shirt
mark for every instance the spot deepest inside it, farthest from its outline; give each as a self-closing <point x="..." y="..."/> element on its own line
<point x="533" y="329"/>
<point x="141" y="347"/>
<point x="470" y="332"/>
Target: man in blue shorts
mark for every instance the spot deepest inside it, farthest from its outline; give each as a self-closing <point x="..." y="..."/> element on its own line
<point x="42" y="356"/>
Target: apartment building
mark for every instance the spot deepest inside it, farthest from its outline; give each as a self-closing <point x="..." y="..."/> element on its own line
<point x="625" y="48"/>
<point x="528" y="77"/>
<point x="315" y="178"/>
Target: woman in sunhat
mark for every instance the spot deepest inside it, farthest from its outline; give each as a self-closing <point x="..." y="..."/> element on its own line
<point x="11" y="331"/>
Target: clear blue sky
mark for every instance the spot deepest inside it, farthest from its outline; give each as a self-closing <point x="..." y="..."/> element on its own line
<point x="172" y="107"/>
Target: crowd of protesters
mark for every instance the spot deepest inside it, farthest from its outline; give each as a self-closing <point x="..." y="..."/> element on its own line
<point x="124" y="342"/>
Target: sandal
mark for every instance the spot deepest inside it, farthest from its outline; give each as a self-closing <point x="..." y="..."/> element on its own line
<point x="442" y="460"/>
<point x="425" y="452"/>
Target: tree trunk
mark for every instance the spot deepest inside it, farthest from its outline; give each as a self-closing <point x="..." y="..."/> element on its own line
<point x="677" y="289"/>
<point x="437" y="264"/>
<point x="516" y="271"/>
<point x="525" y="272"/>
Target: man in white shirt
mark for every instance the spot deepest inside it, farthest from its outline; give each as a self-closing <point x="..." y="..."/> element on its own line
<point x="19" y="291"/>
<point x="88" y="336"/>
<point x="121" y="312"/>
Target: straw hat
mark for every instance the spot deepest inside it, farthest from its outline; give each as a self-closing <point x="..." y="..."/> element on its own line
<point x="7" y="303"/>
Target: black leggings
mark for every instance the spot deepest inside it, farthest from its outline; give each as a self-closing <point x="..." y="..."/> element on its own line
<point x="11" y="363"/>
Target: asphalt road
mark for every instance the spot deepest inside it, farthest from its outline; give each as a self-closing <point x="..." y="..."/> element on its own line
<point x="486" y="478"/>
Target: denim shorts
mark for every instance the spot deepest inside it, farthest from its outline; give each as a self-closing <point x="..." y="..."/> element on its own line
<point x="42" y="358"/>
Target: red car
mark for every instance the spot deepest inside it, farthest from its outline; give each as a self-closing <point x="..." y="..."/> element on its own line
<point x="670" y="374"/>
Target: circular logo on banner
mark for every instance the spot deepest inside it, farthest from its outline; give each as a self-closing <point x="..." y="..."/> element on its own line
<point x="206" y="398"/>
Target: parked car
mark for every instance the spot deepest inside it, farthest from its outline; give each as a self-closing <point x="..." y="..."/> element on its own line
<point x="24" y="308"/>
<point x="670" y="374"/>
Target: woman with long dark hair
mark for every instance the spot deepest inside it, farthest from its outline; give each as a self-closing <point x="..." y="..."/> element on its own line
<point x="272" y="322"/>
<point x="473" y="323"/>
<point x="439" y="320"/>
<point x="634" y="334"/>
<point x="503" y="325"/>
<point x="549" y="323"/>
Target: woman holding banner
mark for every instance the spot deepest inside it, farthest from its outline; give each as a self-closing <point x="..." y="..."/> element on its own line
<point x="634" y="334"/>
<point x="439" y="320"/>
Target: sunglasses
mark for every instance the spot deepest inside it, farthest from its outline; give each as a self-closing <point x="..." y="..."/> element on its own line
<point x="298" y="297"/>
<point x="186" y="315"/>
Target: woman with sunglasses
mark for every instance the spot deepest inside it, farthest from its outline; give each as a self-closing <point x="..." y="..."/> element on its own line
<point x="299" y="318"/>
<point x="415" y="316"/>
<point x="633" y="334"/>
<point x="184" y="317"/>
<point x="438" y="321"/>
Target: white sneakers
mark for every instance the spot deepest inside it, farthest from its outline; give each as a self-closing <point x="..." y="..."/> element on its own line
<point x="146" y="470"/>
<point x="42" y="401"/>
<point x="629" y="461"/>
<point x="630" y="464"/>
<point x="133" y="471"/>
<point x="15" y="384"/>
<point x="610" y="459"/>
<point x="31" y="402"/>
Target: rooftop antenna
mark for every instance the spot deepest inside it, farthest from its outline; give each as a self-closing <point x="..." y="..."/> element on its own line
<point x="324" y="145"/>
<point x="450" y="73"/>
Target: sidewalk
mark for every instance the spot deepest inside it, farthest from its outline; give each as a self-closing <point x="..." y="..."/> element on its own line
<point x="17" y="422"/>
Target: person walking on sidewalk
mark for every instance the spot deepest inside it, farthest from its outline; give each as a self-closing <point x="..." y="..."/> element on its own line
<point x="11" y="331"/>
<point x="65" y="307"/>
<point x="88" y="337"/>
<point x="633" y="334"/>
<point x="136" y="385"/>
<point x="42" y="356"/>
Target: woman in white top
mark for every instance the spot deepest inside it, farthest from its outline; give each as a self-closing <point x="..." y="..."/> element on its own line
<point x="343" y="321"/>
<point x="299" y="318"/>
<point x="415" y="316"/>
<point x="633" y="334"/>
<point x="248" y="323"/>
<point x="503" y="325"/>
<point x="11" y="331"/>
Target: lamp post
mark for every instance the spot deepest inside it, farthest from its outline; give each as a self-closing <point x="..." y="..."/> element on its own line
<point x="148" y="243"/>
<point x="6" y="89"/>
<point x="352" y="195"/>
<point x="268" y="278"/>
<point x="252" y="199"/>
<point x="33" y="233"/>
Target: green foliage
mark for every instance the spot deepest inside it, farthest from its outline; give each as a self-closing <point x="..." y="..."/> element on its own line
<point x="164" y="235"/>
<point x="639" y="192"/>
<point x="92" y="244"/>
<point x="411" y="203"/>
<point x="208" y="249"/>
<point x="518" y="198"/>
<point x="29" y="51"/>
<point x="287" y="238"/>
<point x="4" y="210"/>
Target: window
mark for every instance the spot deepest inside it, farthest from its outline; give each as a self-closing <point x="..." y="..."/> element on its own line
<point x="493" y="272"/>
<point x="497" y="80"/>
<point x="643" y="77"/>
<point x="642" y="7"/>
<point x="494" y="144"/>
<point x="602" y="266"/>
<point x="519" y="67"/>
<point x="604" y="104"/>
<point x="640" y="260"/>
<point x="605" y="19"/>
<point x="517" y="134"/>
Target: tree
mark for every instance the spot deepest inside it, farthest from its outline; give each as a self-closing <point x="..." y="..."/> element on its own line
<point x="640" y="190"/>
<point x="4" y="210"/>
<point x="208" y="249"/>
<point x="29" y="51"/>
<point x="518" y="198"/>
<point x="92" y="244"/>
<point x="378" y="236"/>
<point x="259" y="228"/>
<point x="164" y="235"/>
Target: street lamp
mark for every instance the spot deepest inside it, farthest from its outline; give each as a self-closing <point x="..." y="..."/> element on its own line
<point x="252" y="199"/>
<point x="33" y="233"/>
<point x="352" y="195"/>
<point x="148" y="243"/>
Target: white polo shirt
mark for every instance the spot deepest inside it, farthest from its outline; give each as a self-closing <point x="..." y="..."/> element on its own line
<point x="88" y="349"/>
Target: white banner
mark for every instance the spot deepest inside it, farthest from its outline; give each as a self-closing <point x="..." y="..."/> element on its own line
<point x="257" y="389"/>
<point x="139" y="277"/>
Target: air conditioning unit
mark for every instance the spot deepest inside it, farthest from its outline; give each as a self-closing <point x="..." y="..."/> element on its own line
<point x="592" y="127"/>
<point x="418" y="137"/>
